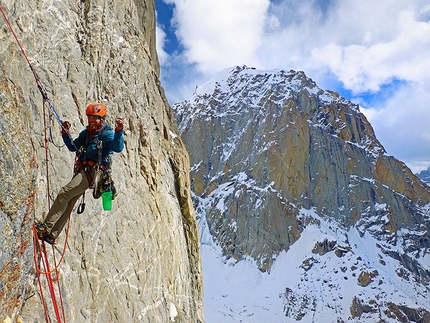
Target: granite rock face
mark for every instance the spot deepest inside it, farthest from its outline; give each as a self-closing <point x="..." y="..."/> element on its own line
<point x="282" y="143"/>
<point x="272" y="147"/>
<point x="139" y="262"/>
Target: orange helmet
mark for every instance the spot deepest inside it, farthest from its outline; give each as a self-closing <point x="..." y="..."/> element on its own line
<point x="96" y="109"/>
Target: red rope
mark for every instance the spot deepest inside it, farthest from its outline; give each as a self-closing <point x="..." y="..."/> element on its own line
<point x="48" y="272"/>
<point x="41" y="247"/>
<point x="36" y="243"/>
<point x="40" y="250"/>
<point x="44" y="257"/>
<point x="43" y="254"/>
<point x="14" y="35"/>
<point x="50" y="284"/>
<point x="38" y="82"/>
<point x="57" y="280"/>
<point x="36" y="77"/>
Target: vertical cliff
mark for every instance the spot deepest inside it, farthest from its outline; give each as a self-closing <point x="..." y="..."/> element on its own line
<point x="283" y="143"/>
<point x="139" y="262"/>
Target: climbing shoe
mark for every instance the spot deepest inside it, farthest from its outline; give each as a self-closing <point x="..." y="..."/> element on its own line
<point x="43" y="234"/>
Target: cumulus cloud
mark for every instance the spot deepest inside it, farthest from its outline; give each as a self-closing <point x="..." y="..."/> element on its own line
<point x="361" y="48"/>
<point x="363" y="43"/>
<point x="160" y="41"/>
<point x="359" y="42"/>
<point x="219" y="33"/>
<point x="362" y="68"/>
<point x="401" y="124"/>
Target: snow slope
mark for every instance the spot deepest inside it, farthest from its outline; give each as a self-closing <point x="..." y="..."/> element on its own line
<point x="239" y="292"/>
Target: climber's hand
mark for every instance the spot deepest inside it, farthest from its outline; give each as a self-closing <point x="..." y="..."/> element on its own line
<point x="65" y="127"/>
<point x="119" y="124"/>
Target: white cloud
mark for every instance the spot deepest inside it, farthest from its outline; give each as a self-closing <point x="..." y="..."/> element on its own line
<point x="363" y="45"/>
<point x="402" y="124"/>
<point x="220" y="33"/>
<point x="363" y="68"/>
<point x="160" y="41"/>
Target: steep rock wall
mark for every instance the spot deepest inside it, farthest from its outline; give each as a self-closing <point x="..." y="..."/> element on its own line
<point x="272" y="143"/>
<point x="140" y="261"/>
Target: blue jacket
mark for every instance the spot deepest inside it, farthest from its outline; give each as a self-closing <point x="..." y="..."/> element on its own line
<point x="112" y="142"/>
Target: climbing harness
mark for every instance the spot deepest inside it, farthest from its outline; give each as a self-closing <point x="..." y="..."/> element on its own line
<point x="101" y="181"/>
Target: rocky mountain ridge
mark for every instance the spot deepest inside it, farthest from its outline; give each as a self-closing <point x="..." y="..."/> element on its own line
<point x="139" y="262"/>
<point x="424" y="175"/>
<point x="277" y="156"/>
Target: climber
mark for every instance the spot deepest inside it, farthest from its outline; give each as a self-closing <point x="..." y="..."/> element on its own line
<point x="92" y="156"/>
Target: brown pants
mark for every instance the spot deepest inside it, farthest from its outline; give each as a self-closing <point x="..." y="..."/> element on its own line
<point x="62" y="207"/>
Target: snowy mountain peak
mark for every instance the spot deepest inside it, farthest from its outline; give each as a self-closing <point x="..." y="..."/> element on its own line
<point x="292" y="186"/>
<point x="257" y="83"/>
<point x="424" y="175"/>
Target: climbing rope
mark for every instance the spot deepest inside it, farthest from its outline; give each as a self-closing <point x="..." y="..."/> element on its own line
<point x="39" y="252"/>
<point x="39" y="83"/>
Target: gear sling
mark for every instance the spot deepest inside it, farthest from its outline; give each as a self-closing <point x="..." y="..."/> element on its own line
<point x="101" y="182"/>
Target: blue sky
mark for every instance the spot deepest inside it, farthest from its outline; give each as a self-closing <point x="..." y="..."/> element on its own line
<point x="375" y="53"/>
